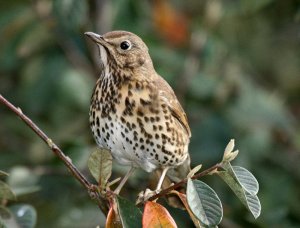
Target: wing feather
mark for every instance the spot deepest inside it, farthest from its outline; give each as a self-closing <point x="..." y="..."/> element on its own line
<point x="165" y="91"/>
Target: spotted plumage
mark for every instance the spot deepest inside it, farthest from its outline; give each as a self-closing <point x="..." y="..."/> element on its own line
<point x="134" y="112"/>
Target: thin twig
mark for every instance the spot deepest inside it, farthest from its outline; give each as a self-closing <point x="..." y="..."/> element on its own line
<point x="57" y="151"/>
<point x="184" y="181"/>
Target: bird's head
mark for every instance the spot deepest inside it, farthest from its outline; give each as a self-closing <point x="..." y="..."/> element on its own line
<point x="122" y="48"/>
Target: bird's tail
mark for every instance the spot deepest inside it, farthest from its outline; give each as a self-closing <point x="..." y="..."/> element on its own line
<point x="180" y="172"/>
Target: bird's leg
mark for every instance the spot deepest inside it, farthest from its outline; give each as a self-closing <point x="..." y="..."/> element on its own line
<point x="145" y="195"/>
<point x="125" y="178"/>
<point x="161" y="179"/>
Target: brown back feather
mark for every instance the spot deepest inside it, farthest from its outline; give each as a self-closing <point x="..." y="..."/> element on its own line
<point x="177" y="111"/>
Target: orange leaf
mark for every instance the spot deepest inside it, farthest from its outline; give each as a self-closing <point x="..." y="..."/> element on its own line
<point x="111" y="220"/>
<point x="156" y="215"/>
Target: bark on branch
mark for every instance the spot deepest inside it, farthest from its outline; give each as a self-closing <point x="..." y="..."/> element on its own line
<point x="102" y="203"/>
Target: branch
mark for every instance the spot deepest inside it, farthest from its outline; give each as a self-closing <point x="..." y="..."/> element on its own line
<point x="58" y="152"/>
<point x="184" y="181"/>
<point x="78" y="175"/>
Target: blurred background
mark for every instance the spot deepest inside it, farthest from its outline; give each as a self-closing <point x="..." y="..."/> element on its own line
<point x="234" y="65"/>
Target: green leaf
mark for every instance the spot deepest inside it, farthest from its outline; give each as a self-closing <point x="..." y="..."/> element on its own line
<point x="130" y="215"/>
<point x="25" y="215"/>
<point x="246" y="179"/>
<point x="243" y="176"/>
<point x="100" y="166"/>
<point x="253" y="204"/>
<point x="6" y="192"/>
<point x="204" y="203"/>
<point x="250" y="201"/>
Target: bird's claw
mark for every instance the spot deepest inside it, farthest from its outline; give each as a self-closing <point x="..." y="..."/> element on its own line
<point x="143" y="196"/>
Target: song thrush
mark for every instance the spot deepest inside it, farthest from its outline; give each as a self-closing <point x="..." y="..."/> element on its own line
<point x="134" y="112"/>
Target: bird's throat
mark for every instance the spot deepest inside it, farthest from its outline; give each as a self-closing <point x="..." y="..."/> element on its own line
<point x="103" y="55"/>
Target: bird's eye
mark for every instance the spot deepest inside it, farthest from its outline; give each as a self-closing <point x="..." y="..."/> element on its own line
<point x="125" y="45"/>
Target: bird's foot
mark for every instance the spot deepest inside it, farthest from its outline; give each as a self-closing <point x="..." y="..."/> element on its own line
<point x="143" y="196"/>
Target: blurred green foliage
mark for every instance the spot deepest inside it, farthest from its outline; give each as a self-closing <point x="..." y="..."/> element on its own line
<point x="235" y="66"/>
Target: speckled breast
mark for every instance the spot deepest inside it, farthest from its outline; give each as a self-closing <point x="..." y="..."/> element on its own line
<point x="125" y="120"/>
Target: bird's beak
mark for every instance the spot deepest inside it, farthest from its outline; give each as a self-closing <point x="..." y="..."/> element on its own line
<point x="95" y="37"/>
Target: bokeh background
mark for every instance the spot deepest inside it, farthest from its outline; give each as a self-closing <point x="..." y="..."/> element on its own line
<point x="235" y="66"/>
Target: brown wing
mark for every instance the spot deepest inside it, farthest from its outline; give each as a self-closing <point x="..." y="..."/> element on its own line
<point x="165" y="90"/>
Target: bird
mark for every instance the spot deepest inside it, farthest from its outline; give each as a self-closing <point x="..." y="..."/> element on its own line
<point x="134" y="112"/>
